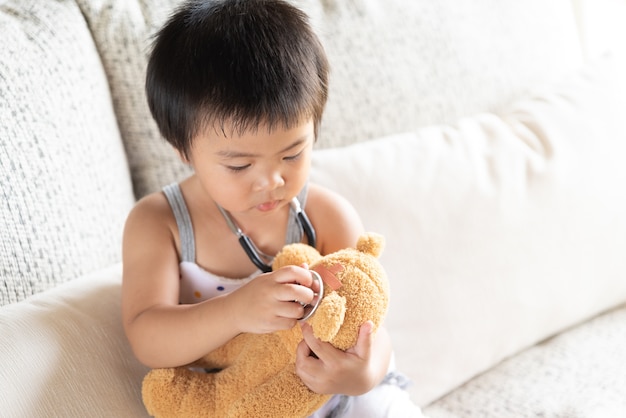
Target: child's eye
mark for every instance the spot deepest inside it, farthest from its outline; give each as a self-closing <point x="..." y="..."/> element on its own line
<point x="293" y="157"/>
<point x="237" y="168"/>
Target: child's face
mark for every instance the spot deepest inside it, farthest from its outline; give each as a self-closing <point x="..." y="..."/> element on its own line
<point x="257" y="172"/>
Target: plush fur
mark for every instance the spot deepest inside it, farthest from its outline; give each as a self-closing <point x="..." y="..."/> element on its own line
<point x="257" y="371"/>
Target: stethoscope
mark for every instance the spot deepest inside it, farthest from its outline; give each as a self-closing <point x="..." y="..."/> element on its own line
<point x="255" y="255"/>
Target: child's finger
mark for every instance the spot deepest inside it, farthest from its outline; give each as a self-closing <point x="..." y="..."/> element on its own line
<point x="303" y="352"/>
<point x="308" y="366"/>
<point x="293" y="293"/>
<point x="365" y="340"/>
<point x="319" y="348"/>
<point x="294" y="274"/>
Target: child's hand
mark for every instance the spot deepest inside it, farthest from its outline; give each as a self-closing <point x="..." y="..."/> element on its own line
<point x="271" y="302"/>
<point x="326" y="369"/>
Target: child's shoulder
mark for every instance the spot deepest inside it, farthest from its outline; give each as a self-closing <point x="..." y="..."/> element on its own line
<point x="327" y="200"/>
<point x="152" y="203"/>
<point x="151" y="211"/>
<point x="337" y="222"/>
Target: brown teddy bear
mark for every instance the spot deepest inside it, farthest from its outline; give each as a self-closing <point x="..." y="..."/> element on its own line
<point x="253" y="375"/>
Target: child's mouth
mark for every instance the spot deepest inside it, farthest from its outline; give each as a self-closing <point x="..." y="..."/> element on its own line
<point x="267" y="206"/>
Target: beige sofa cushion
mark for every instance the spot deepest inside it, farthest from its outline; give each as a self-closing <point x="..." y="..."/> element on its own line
<point x="395" y="67"/>
<point x="64" y="180"/>
<point x="502" y="229"/>
<point x="64" y="353"/>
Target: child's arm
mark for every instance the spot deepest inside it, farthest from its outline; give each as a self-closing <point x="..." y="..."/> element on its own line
<point x="164" y="333"/>
<point x="353" y="372"/>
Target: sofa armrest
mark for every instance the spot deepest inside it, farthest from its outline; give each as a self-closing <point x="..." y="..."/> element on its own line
<point x="64" y="353"/>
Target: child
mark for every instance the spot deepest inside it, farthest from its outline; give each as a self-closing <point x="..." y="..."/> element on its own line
<point x="238" y="88"/>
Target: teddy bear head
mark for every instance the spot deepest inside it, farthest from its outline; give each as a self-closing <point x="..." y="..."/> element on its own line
<point x="355" y="287"/>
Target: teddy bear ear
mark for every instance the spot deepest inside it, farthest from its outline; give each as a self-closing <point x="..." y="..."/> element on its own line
<point x="295" y="255"/>
<point x="371" y="243"/>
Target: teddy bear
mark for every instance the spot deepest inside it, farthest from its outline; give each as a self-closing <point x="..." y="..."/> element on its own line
<point x="253" y="375"/>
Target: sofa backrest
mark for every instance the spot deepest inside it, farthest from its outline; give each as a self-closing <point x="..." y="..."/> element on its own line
<point x="395" y="68"/>
<point x="400" y="65"/>
<point x="64" y="180"/>
<point x="395" y="65"/>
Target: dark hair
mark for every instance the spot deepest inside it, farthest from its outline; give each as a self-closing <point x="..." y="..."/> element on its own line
<point x="238" y="62"/>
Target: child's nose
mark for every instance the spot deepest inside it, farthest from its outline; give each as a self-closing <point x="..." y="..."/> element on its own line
<point x="271" y="180"/>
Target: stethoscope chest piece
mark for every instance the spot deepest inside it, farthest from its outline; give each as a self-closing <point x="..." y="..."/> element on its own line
<point x="318" y="290"/>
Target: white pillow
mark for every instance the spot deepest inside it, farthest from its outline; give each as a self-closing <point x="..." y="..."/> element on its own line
<point x="64" y="354"/>
<point x="501" y="230"/>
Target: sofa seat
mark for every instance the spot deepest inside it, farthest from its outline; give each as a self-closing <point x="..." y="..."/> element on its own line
<point x="580" y="373"/>
<point x="80" y="350"/>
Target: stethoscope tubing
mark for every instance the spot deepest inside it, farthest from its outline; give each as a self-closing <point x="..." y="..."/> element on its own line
<point x="249" y="247"/>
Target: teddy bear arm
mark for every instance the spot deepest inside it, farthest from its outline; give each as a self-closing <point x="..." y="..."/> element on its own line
<point x="329" y="317"/>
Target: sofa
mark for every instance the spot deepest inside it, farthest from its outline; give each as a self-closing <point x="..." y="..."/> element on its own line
<point x="486" y="140"/>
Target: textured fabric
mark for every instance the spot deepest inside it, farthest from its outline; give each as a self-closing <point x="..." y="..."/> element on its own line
<point x="397" y="65"/>
<point x="393" y="68"/>
<point x="122" y="31"/>
<point x="578" y="374"/>
<point x="64" y="181"/>
<point x="501" y="230"/>
<point x="64" y="353"/>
